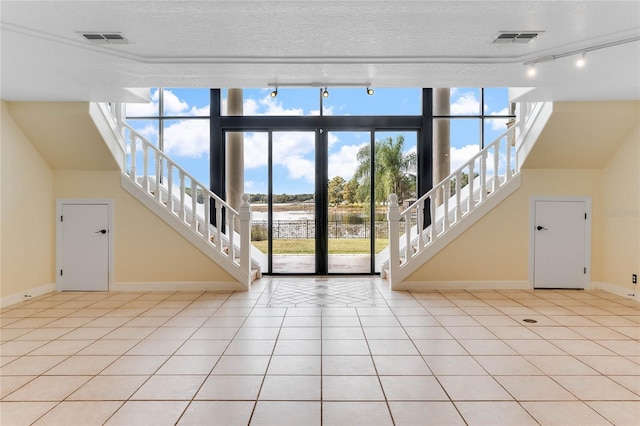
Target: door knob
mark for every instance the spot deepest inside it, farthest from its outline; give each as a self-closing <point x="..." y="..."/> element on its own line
<point x="102" y="231"/>
<point x="540" y="228"/>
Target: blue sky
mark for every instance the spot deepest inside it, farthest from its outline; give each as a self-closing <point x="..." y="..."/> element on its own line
<point x="187" y="140"/>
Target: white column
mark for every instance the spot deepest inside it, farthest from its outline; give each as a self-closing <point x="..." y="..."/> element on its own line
<point x="441" y="138"/>
<point x="235" y="153"/>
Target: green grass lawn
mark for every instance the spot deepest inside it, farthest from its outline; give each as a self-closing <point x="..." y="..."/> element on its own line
<point x="336" y="246"/>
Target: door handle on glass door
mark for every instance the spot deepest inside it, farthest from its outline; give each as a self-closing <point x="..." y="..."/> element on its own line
<point x="540" y="228"/>
<point x="102" y="231"/>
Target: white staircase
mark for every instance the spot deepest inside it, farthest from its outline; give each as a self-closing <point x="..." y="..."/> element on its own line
<point x="186" y="204"/>
<point x="451" y="206"/>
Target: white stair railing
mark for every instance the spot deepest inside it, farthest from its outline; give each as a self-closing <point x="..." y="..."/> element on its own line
<point x="460" y="194"/>
<point x="189" y="205"/>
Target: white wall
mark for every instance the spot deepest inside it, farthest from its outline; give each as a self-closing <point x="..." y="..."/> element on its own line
<point x="28" y="213"/>
<point x="621" y="214"/>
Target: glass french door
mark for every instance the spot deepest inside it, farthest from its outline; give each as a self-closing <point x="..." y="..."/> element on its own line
<point x="308" y="213"/>
<point x="349" y="220"/>
<point x="293" y="203"/>
<point x="318" y="197"/>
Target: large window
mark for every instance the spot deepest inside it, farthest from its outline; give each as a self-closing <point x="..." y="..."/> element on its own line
<point x="177" y="121"/>
<point x="476" y="116"/>
<point x="329" y="162"/>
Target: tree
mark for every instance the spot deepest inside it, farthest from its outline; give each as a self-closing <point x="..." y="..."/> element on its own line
<point x="393" y="168"/>
<point x="349" y="194"/>
<point x="336" y="190"/>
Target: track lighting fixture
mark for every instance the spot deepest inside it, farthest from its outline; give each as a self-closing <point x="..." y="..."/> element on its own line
<point x="370" y="91"/>
<point x="580" y="62"/>
<point x="325" y="93"/>
<point x="274" y="93"/>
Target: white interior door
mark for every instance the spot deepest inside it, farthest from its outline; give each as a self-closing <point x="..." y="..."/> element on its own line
<point x="85" y="247"/>
<point x="560" y="259"/>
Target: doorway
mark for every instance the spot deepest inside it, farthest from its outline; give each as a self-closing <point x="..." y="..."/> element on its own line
<point x="560" y="242"/>
<point x="84" y="245"/>
<point x="314" y="207"/>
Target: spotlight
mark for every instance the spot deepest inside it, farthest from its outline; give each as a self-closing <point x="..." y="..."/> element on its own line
<point x="581" y="61"/>
<point x="531" y="71"/>
<point x="274" y="93"/>
<point x="370" y="91"/>
<point x="325" y="93"/>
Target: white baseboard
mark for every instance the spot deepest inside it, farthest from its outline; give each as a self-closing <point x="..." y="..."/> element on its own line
<point x="463" y="285"/>
<point x="27" y="294"/>
<point x="178" y="286"/>
<point x="616" y="289"/>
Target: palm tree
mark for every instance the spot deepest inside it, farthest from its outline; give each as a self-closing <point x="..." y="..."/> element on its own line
<point x="394" y="170"/>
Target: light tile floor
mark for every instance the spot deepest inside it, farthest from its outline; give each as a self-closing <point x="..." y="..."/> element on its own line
<point x="340" y="351"/>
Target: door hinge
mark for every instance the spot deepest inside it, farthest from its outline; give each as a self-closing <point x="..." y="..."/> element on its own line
<point x="61" y="218"/>
<point x="585" y="216"/>
<point x="60" y="272"/>
<point x="585" y="270"/>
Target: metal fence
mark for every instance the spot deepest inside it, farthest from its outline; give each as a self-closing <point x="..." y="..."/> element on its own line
<point x="306" y="229"/>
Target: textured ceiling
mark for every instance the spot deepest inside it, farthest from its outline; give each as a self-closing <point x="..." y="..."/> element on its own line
<point x="253" y="43"/>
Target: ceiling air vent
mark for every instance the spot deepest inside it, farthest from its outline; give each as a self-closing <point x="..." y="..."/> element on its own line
<point x="111" y="37"/>
<point x="521" y="37"/>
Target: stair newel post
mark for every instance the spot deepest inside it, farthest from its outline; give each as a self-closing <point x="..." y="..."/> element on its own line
<point x="458" y="188"/>
<point x="245" y="234"/>
<point x="393" y="217"/>
<point x="183" y="189"/>
<point x="158" y="170"/>
<point x="496" y="165"/>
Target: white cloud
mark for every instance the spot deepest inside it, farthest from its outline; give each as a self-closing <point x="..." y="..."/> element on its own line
<point x="499" y="123"/>
<point x="173" y="105"/>
<point x="467" y="103"/>
<point x="290" y="150"/>
<point x="300" y="167"/>
<point x="271" y="106"/>
<point x="255" y="150"/>
<point x="150" y="132"/>
<point x="332" y="139"/>
<point x="187" y="138"/>
<point x="459" y="156"/>
<point x="344" y="162"/>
